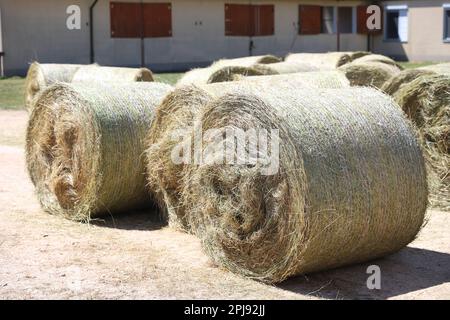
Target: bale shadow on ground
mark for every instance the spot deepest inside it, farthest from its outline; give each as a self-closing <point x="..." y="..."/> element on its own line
<point x="408" y="270"/>
<point x="142" y="220"/>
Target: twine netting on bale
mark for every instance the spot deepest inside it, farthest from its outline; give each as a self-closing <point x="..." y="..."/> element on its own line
<point x="313" y="79"/>
<point x="369" y="74"/>
<point x="404" y="77"/>
<point x="286" y="67"/>
<point x="176" y="114"/>
<point x="324" y="61"/>
<point x="84" y="147"/>
<point x="351" y="184"/>
<point x="426" y="101"/>
<point x="94" y="73"/>
<point x="40" y="76"/>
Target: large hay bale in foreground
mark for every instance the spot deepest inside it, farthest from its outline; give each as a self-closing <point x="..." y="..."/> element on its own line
<point x="324" y="61"/>
<point x="94" y="73"/>
<point x="42" y="75"/>
<point x="84" y="147"/>
<point x="286" y="67"/>
<point x="350" y="185"/>
<point x="369" y="74"/>
<point x="426" y="101"/>
<point x="176" y="114"/>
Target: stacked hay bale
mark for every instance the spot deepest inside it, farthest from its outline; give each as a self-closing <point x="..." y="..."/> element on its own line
<point x="40" y="76"/>
<point x="371" y="70"/>
<point x="350" y="185"/>
<point x="425" y="98"/>
<point x="226" y="70"/>
<point x="84" y="147"/>
<point x="94" y="73"/>
<point x="323" y="61"/>
<point x="177" y="114"/>
<point x="286" y="67"/>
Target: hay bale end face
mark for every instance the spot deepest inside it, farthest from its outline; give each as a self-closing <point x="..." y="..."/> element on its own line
<point x="406" y="76"/>
<point x="84" y="147"/>
<point x="369" y="74"/>
<point x="94" y="73"/>
<point x="40" y="76"/>
<point x="351" y="184"/>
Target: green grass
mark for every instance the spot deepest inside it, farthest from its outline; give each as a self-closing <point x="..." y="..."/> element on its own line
<point x="12" y="89"/>
<point x="412" y="65"/>
<point x="12" y="93"/>
<point x="170" y="78"/>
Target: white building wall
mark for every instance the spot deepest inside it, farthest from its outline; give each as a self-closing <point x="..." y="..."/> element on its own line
<point x="36" y="30"/>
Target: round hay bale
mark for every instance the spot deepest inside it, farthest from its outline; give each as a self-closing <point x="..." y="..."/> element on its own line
<point x="324" y="61"/>
<point x="84" y="147"/>
<point x="178" y="111"/>
<point x="313" y="79"/>
<point x="357" y="54"/>
<point x="440" y="68"/>
<point x="368" y="74"/>
<point x="392" y="85"/>
<point x="42" y="75"/>
<point x="217" y="73"/>
<point x="246" y="61"/>
<point x="426" y="101"/>
<point x="286" y="67"/>
<point x="377" y="58"/>
<point x="94" y="73"/>
<point x="350" y="185"/>
<point x="226" y="74"/>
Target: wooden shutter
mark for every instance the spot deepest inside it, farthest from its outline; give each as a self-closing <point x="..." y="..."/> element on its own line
<point x="157" y="20"/>
<point x="237" y="20"/>
<point x="126" y="20"/>
<point x="264" y="20"/>
<point x="310" y="19"/>
<point x="361" y="21"/>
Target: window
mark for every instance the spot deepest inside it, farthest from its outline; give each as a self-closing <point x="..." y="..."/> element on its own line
<point x="396" y="19"/>
<point x="249" y="20"/>
<point x="345" y="19"/>
<point x="309" y="19"/>
<point x="328" y="20"/>
<point x="447" y="22"/>
<point x="140" y="20"/>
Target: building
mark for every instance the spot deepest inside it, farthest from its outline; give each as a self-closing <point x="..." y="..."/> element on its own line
<point x="169" y="35"/>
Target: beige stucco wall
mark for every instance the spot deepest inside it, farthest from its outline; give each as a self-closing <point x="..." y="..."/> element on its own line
<point x="425" y="33"/>
<point x="36" y="30"/>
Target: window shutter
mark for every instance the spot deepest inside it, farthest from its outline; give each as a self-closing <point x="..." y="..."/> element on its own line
<point x="310" y="19"/>
<point x="264" y="19"/>
<point x="157" y="20"/>
<point x="126" y="20"/>
<point x="237" y="20"/>
<point x="361" y="21"/>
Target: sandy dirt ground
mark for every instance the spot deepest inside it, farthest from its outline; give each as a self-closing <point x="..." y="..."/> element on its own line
<point x="136" y="256"/>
